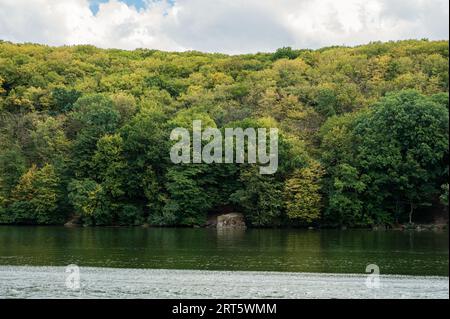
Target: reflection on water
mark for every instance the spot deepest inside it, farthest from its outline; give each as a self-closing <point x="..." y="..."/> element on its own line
<point x="395" y="252"/>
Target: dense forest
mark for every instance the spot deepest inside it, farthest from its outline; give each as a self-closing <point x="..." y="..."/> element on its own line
<point x="363" y="134"/>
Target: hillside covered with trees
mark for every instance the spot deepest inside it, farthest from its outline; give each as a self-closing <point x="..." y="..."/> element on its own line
<point x="85" y="131"/>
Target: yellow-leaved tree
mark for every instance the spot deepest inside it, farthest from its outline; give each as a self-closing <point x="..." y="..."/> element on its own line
<point x="302" y="194"/>
<point x="35" y="197"/>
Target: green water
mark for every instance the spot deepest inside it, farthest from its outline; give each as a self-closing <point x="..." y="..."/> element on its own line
<point x="329" y="251"/>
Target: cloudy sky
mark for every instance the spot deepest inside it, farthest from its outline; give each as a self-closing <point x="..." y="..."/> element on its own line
<point x="229" y="26"/>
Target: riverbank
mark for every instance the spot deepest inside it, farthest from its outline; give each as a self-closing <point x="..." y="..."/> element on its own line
<point x="50" y="282"/>
<point x="399" y="227"/>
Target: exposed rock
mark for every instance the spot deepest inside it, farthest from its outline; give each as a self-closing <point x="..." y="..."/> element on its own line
<point x="231" y="220"/>
<point x="74" y="222"/>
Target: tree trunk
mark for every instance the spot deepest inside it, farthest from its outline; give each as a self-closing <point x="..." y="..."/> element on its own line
<point x="411" y="212"/>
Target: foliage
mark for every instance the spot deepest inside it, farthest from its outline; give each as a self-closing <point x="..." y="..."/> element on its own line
<point x="363" y="134"/>
<point x="444" y="195"/>
<point x="397" y="163"/>
<point x="35" y="197"/>
<point x="261" y="197"/>
<point x="302" y="193"/>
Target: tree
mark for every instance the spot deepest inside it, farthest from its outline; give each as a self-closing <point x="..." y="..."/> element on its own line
<point x="285" y="53"/>
<point x="35" y="198"/>
<point x="384" y="163"/>
<point x="444" y="195"/>
<point x="92" y="117"/>
<point x="302" y="194"/>
<point x="191" y="193"/>
<point x="326" y="102"/>
<point x="12" y="166"/>
<point x="101" y="119"/>
<point x="64" y="99"/>
<point x="89" y="201"/>
<point x="345" y="204"/>
<point x="49" y="142"/>
<point x="404" y="150"/>
<point x="145" y="144"/>
<point x="109" y="164"/>
<point x="260" y="196"/>
<point x="125" y="106"/>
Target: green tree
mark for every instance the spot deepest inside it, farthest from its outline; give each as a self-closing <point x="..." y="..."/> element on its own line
<point x="285" y="53"/>
<point x="404" y="151"/>
<point x="109" y="164"/>
<point x="92" y="117"/>
<point x="35" y="198"/>
<point x="12" y="166"/>
<point x="444" y="195"/>
<point x="302" y="194"/>
<point x="261" y="197"/>
<point x="64" y="99"/>
<point x="191" y="193"/>
<point x="345" y="204"/>
<point x="102" y="120"/>
<point x="89" y="201"/>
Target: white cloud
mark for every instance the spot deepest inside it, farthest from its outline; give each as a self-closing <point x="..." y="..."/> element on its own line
<point x="230" y="26"/>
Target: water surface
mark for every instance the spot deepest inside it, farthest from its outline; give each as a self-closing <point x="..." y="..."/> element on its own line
<point x="98" y="282"/>
<point x="281" y="250"/>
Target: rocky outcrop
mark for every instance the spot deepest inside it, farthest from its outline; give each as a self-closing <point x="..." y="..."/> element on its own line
<point x="75" y="221"/>
<point x="231" y="220"/>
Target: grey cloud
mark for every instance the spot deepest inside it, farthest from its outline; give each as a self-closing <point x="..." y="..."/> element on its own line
<point x="229" y="26"/>
<point x="428" y="18"/>
<point x="220" y="27"/>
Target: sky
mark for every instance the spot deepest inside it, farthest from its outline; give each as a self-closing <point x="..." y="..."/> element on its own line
<point x="226" y="26"/>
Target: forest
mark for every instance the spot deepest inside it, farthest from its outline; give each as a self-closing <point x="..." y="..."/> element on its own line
<point x="363" y="134"/>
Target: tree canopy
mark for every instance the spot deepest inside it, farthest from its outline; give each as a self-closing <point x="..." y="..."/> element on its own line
<point x="363" y="134"/>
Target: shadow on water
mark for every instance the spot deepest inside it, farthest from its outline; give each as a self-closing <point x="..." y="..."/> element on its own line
<point x="395" y="252"/>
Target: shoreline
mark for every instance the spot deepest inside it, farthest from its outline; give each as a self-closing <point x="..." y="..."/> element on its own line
<point x="403" y="227"/>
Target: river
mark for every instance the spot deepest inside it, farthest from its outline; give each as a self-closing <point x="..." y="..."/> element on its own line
<point x="279" y="263"/>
